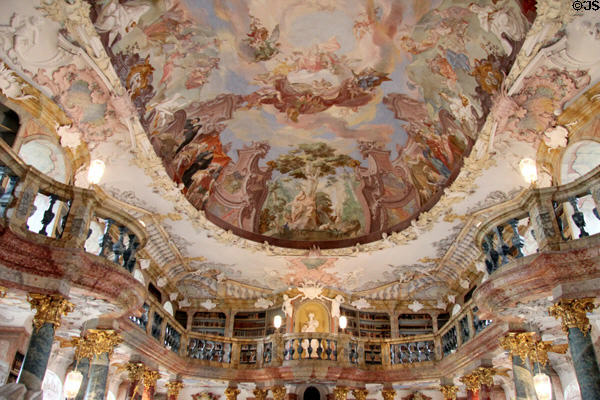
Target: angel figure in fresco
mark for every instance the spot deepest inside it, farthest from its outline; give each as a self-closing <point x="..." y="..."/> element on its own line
<point x="311" y="325"/>
<point x="500" y="19"/>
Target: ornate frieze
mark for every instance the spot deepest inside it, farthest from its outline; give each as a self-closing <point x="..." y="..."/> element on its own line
<point x="573" y="313"/>
<point x="49" y="308"/>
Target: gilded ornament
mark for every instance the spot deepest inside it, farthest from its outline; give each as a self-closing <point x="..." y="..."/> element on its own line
<point x="573" y="313"/>
<point x="49" y="308"/>
<point x="232" y="393"/>
<point x="388" y="394"/>
<point x="150" y="377"/>
<point x="260" y="394"/>
<point x="519" y="344"/>
<point x="278" y="392"/>
<point x="174" y="387"/>
<point x="3" y="292"/>
<point x="449" y="392"/>
<point x="360" y="394"/>
<point x="540" y="353"/>
<point x="95" y="343"/>
<point x="340" y="393"/>
<point x="480" y="376"/>
<point x="134" y="370"/>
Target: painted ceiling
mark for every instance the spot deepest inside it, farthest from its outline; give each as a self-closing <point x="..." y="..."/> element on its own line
<point x="286" y="127"/>
<point x="245" y="132"/>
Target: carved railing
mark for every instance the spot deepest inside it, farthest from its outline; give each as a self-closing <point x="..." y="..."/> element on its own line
<point x="280" y="349"/>
<point x="541" y="219"/>
<point x="49" y="212"/>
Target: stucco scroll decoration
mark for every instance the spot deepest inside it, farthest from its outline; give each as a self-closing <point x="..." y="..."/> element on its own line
<point x="361" y="304"/>
<point x="263" y="303"/>
<point x="312" y="292"/>
<point x="208" y="304"/>
<point x="10" y="86"/>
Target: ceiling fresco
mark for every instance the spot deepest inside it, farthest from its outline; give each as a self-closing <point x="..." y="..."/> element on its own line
<point x="286" y="128"/>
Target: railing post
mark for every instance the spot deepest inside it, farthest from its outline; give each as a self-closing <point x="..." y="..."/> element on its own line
<point x="150" y="321"/>
<point x="26" y="193"/>
<point x="459" y="341"/>
<point x="385" y="354"/>
<point x="78" y="221"/>
<point x="547" y="233"/>
<point x="235" y="354"/>
<point x="260" y="348"/>
<point x="163" y="328"/>
<point x="183" y="344"/>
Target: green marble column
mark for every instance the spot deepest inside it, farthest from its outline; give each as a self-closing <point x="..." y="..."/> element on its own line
<point x="585" y="363"/>
<point x="49" y="311"/>
<point x="523" y="380"/>
<point x="83" y="366"/>
<point x="36" y="359"/>
<point x="573" y="315"/>
<point x="96" y="387"/>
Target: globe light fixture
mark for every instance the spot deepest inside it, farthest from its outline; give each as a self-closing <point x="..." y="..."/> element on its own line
<point x="277" y="321"/>
<point x="543" y="386"/>
<point x="343" y="322"/>
<point x="72" y="384"/>
<point x="96" y="171"/>
<point x="528" y="170"/>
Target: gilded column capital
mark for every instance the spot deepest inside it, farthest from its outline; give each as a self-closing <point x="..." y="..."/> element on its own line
<point x="573" y="313"/>
<point x="449" y="392"/>
<point x="49" y="308"/>
<point x="278" y="392"/>
<point x="3" y="292"/>
<point x="480" y="376"/>
<point x="519" y="344"/>
<point x="174" y="387"/>
<point x="231" y="393"/>
<point x="134" y="370"/>
<point x="260" y="394"/>
<point x="340" y="393"/>
<point x="388" y="394"/>
<point x="541" y="350"/>
<point x="95" y="343"/>
<point x="150" y="377"/>
<point x="360" y="394"/>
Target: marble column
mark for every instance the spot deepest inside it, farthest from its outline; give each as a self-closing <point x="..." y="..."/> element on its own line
<point x="134" y="372"/>
<point x="577" y="326"/>
<point x="83" y="366"/>
<point x="149" y="377"/>
<point x="49" y="311"/>
<point x="174" y="387"/>
<point x="520" y="345"/>
<point x="523" y="380"/>
<point x="96" y="387"/>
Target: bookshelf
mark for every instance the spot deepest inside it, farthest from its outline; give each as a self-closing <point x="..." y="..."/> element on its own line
<point x="414" y="324"/>
<point x="352" y="318"/>
<point x="15" y="369"/>
<point x="254" y="324"/>
<point x="374" y="325"/>
<point x="209" y="323"/>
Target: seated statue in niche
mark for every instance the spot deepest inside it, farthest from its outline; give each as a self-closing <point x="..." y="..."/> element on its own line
<point x="311" y="325"/>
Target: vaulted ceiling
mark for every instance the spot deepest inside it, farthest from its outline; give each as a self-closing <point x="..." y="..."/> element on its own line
<point x="274" y="144"/>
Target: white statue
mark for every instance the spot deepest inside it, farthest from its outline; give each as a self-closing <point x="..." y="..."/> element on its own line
<point x="311" y="325"/>
<point x="288" y="309"/>
<point x="335" y="305"/>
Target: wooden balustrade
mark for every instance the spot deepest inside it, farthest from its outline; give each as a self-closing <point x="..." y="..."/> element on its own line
<point x="61" y="215"/>
<point x="541" y="219"/>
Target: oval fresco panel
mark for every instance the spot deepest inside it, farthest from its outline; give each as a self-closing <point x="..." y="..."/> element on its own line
<point x="309" y="122"/>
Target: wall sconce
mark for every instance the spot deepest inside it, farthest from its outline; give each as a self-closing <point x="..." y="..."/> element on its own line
<point x="96" y="171"/>
<point x="528" y="170"/>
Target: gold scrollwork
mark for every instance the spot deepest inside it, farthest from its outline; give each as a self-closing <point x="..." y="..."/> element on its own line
<point x="449" y="392"/>
<point x="388" y="394"/>
<point x="528" y="345"/>
<point x="150" y="377"/>
<point x="480" y="376"/>
<point x="49" y="308"/>
<point x="573" y="313"/>
<point x="3" y="292"/>
<point x="174" y="387"/>
<point x="95" y="343"/>
<point x="360" y="394"/>
<point x="278" y="392"/>
<point x="340" y="393"/>
<point x="231" y="393"/>
<point x="260" y="394"/>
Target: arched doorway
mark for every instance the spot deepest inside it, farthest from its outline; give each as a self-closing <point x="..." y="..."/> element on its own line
<point x="311" y="393"/>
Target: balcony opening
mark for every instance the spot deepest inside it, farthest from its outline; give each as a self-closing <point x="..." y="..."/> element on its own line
<point x="311" y="393"/>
